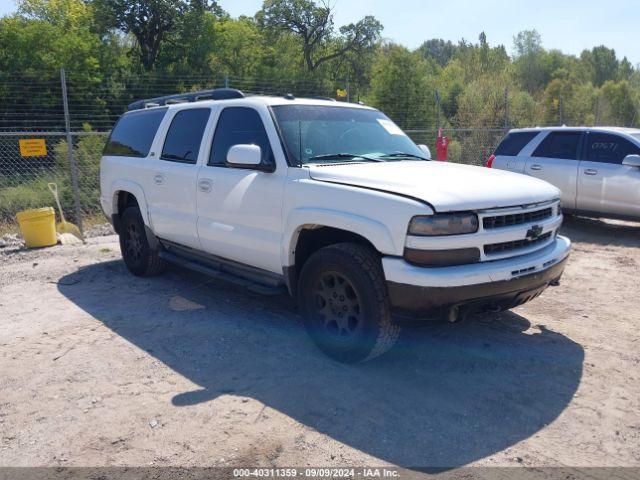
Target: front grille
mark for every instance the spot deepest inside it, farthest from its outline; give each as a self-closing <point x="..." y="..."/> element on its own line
<point x="514" y="244"/>
<point x="499" y="221"/>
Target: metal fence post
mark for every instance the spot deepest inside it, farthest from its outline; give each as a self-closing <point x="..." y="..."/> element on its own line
<point x="560" y="119"/>
<point x="437" y="94"/>
<point x="72" y="160"/>
<point x="348" y="89"/>
<point x="506" y="108"/>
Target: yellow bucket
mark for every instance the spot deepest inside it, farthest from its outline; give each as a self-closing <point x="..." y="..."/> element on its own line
<point x="38" y="227"/>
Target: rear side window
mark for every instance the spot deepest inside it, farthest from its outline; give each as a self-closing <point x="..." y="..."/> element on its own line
<point x="559" y="145"/>
<point x="605" y="148"/>
<point x="513" y="143"/>
<point x="134" y="133"/>
<point x="239" y="125"/>
<point x="184" y="137"/>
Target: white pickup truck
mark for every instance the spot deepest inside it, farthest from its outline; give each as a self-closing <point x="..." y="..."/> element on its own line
<point x="332" y="202"/>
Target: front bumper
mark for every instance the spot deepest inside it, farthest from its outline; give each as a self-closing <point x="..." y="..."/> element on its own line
<point x="497" y="285"/>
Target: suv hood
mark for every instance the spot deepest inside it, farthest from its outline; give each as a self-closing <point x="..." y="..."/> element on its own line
<point x="445" y="186"/>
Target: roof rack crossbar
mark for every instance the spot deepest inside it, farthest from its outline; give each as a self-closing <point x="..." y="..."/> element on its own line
<point x="215" y="94"/>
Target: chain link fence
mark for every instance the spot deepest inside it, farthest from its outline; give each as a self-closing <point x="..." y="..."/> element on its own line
<point x="52" y="110"/>
<point x="23" y="179"/>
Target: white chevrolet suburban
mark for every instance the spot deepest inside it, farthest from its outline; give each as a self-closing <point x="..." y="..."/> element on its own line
<point x="330" y="201"/>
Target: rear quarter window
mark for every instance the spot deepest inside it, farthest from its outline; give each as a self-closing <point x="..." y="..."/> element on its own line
<point x="184" y="137"/>
<point x="133" y="135"/>
<point x="514" y="142"/>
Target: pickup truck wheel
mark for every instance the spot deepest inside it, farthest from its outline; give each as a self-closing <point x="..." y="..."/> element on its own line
<point x="139" y="258"/>
<point x="344" y="303"/>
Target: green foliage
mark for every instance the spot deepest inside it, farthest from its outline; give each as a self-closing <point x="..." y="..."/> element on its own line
<point x="618" y="105"/>
<point x="17" y="194"/>
<point x="438" y="50"/>
<point x="402" y="86"/>
<point x="313" y="26"/>
<point x="601" y="64"/>
<point x="130" y="49"/>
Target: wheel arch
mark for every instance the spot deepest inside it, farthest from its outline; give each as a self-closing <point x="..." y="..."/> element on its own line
<point x="304" y="239"/>
<point x="126" y="193"/>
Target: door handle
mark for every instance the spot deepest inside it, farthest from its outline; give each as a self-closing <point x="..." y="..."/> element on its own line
<point x="205" y="185"/>
<point x="158" y="179"/>
<point x="535" y="166"/>
<point x="591" y="171"/>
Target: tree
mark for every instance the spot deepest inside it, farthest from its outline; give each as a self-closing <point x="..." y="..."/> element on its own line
<point x="617" y="105"/>
<point x="438" y="50"/>
<point x="480" y="59"/>
<point x="529" y="60"/>
<point x="402" y="86"/>
<point x="189" y="47"/>
<point x="601" y="64"/>
<point x="313" y="25"/>
<point x="569" y="102"/>
<point x="527" y="42"/>
<point x="149" y="21"/>
<point x="46" y="35"/>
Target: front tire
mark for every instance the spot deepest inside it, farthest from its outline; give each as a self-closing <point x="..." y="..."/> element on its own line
<point x="139" y="258"/>
<point x="343" y="299"/>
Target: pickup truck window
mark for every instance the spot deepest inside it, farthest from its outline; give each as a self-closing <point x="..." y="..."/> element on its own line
<point x="559" y="145"/>
<point x="134" y="133"/>
<point x="184" y="137"/>
<point x="605" y="148"/>
<point x="319" y="134"/>
<point x="239" y="125"/>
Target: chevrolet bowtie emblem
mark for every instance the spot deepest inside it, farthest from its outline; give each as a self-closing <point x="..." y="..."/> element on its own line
<point x="534" y="232"/>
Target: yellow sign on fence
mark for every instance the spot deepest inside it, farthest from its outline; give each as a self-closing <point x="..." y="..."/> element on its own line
<point x="32" y="147"/>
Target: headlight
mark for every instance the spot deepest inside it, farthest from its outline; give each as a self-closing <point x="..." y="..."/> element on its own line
<point x="444" y="224"/>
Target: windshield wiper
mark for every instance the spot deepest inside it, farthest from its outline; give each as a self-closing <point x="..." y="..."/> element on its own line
<point x="402" y="154"/>
<point x="330" y="156"/>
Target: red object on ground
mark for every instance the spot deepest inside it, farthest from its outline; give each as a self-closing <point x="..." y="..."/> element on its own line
<point x="490" y="161"/>
<point x="442" y="145"/>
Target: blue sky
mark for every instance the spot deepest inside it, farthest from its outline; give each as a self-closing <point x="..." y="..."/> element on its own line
<point x="569" y="25"/>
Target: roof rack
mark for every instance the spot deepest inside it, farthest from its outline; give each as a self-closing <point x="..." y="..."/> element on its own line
<point x="320" y="97"/>
<point x="215" y="94"/>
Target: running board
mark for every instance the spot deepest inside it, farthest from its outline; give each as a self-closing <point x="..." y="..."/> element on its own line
<point x="226" y="276"/>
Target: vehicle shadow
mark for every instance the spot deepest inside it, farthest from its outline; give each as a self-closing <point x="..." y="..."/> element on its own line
<point x="445" y="396"/>
<point x="603" y="232"/>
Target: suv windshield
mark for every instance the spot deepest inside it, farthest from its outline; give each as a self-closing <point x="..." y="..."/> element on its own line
<point x="318" y="134"/>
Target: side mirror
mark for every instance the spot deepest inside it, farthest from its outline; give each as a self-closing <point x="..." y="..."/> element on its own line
<point x="244" y="156"/>
<point x="425" y="150"/>
<point x="631" y="161"/>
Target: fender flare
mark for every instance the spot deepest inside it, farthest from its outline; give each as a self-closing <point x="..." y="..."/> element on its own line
<point x="374" y="231"/>
<point x="135" y="190"/>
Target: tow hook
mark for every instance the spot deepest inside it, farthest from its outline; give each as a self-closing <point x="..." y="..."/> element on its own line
<point x="456" y="314"/>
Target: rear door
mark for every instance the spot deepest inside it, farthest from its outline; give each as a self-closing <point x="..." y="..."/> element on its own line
<point x="604" y="184"/>
<point x="510" y="153"/>
<point x="172" y="186"/>
<point x="555" y="160"/>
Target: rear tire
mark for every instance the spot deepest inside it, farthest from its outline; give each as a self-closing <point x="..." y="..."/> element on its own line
<point x="139" y="258"/>
<point x="343" y="298"/>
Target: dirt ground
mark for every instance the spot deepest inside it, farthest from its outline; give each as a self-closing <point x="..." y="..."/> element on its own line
<point x="99" y="368"/>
